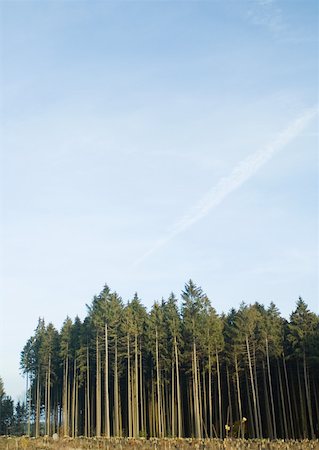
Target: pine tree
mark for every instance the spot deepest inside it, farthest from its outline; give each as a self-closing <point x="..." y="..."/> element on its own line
<point x="194" y="308"/>
<point x="170" y="372"/>
<point x="156" y="339"/>
<point x="302" y="328"/>
<point x="6" y="411"/>
<point x="65" y="354"/>
<point x="173" y="326"/>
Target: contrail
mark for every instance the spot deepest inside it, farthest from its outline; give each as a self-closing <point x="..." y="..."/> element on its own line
<point x="241" y="173"/>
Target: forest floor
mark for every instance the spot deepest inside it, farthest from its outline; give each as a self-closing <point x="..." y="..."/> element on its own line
<point x="21" y="443"/>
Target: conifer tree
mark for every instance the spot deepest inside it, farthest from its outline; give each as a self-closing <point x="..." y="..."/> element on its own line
<point x="171" y="372"/>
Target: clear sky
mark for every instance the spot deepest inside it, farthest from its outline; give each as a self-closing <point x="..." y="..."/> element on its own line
<point x="144" y="143"/>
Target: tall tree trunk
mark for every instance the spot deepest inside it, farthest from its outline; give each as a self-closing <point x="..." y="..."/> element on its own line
<point x="137" y="426"/>
<point x="251" y="420"/>
<point x="46" y="403"/>
<point x="257" y="395"/>
<point x="238" y="391"/>
<point x="142" y="425"/>
<point x="296" y="409"/>
<point x="28" y="404"/>
<point x="199" y="395"/>
<point x="159" y="401"/>
<point x="302" y="405"/>
<point x="204" y="401"/>
<point x="219" y="397"/>
<point x="270" y="432"/>
<point x="88" y="422"/>
<point x="65" y="390"/>
<point x="271" y="391"/>
<point x="163" y="412"/>
<point x="210" y="404"/>
<point x="76" y="405"/>
<point x="308" y="399"/>
<point x="152" y="407"/>
<point x="173" y="400"/>
<point x="49" y="398"/>
<point x="68" y="402"/>
<point x="73" y="399"/>
<point x="98" y="390"/>
<point x="282" y="397"/>
<point x="230" y="403"/>
<point x="196" y="399"/>
<point x="253" y="388"/>
<point x="116" y="393"/>
<point x="315" y="390"/>
<point x="106" y="387"/>
<point x="133" y="400"/>
<point x="37" y="420"/>
<point x="292" y="428"/>
<point x="178" y="391"/>
<point x="129" y="403"/>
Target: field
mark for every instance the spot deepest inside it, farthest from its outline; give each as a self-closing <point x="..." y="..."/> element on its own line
<point x="17" y="443"/>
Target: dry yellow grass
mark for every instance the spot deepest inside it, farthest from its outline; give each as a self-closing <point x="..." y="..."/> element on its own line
<point x="25" y="443"/>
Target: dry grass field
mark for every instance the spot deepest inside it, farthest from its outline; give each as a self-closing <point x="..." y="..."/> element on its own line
<point x="17" y="443"/>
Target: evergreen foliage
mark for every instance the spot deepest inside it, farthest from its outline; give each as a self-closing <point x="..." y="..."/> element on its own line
<point x="173" y="372"/>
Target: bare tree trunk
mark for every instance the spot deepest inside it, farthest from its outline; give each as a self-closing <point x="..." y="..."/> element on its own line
<point x="37" y="420"/>
<point x="257" y="395"/>
<point x="29" y="404"/>
<point x="251" y="421"/>
<point x="163" y="413"/>
<point x="296" y="410"/>
<point x="199" y="396"/>
<point x="106" y="387"/>
<point x="253" y="388"/>
<point x="98" y="391"/>
<point x="315" y="390"/>
<point x="141" y="393"/>
<point x="210" y="404"/>
<point x="204" y="401"/>
<point x="116" y="393"/>
<point x="282" y="397"/>
<point x="219" y="398"/>
<point x="238" y="391"/>
<point x="178" y="390"/>
<point x="196" y="400"/>
<point x="88" y="393"/>
<point x="302" y="405"/>
<point x="65" y="390"/>
<point x="230" y="404"/>
<point x="159" y="401"/>
<point x="270" y="432"/>
<point x="173" y="400"/>
<point x="133" y="409"/>
<point x="137" y="426"/>
<point x="308" y="400"/>
<point x="292" y="428"/>
<point x="73" y="399"/>
<point x="49" y="398"/>
<point x="152" y="407"/>
<point x="129" y="388"/>
<point x="271" y="391"/>
<point x="46" y="403"/>
<point x="76" y="405"/>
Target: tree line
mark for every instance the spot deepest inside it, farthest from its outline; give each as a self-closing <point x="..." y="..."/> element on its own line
<point x="13" y="419"/>
<point x="175" y="371"/>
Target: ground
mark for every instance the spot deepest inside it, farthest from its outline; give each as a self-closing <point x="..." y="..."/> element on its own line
<point x="46" y="443"/>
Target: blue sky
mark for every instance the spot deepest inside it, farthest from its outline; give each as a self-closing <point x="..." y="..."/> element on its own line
<point x="123" y="126"/>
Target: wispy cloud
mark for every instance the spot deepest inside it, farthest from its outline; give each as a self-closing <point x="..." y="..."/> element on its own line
<point x="271" y="15"/>
<point x="226" y="185"/>
<point x="266" y="13"/>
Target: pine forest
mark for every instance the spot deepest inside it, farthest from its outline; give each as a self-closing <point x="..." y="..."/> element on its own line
<point x="180" y="370"/>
